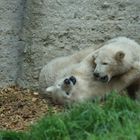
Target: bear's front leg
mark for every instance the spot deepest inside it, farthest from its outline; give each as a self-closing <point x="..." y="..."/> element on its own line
<point x="133" y="89"/>
<point x="124" y="81"/>
<point x="132" y="75"/>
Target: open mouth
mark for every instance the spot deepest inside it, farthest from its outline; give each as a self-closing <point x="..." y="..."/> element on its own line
<point x="104" y="79"/>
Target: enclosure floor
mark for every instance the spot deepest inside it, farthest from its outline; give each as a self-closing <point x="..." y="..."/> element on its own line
<point x="19" y="108"/>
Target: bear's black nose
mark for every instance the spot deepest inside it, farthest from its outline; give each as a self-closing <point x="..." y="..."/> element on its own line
<point x="73" y="80"/>
<point x="96" y="75"/>
<point x="104" y="78"/>
<point x="67" y="81"/>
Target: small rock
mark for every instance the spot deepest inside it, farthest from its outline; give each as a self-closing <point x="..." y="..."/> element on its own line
<point x="35" y="93"/>
<point x="28" y="91"/>
<point x="34" y="99"/>
<point x="105" y="5"/>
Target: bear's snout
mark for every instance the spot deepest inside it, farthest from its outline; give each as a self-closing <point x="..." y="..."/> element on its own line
<point x="70" y="80"/>
<point x="101" y="78"/>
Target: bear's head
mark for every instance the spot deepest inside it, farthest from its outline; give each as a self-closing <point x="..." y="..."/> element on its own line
<point x="109" y="63"/>
<point x="62" y="90"/>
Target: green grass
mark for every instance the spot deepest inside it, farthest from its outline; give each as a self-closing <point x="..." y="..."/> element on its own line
<point x="117" y="119"/>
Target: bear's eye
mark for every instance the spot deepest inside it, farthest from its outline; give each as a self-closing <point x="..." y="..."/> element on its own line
<point x="105" y="63"/>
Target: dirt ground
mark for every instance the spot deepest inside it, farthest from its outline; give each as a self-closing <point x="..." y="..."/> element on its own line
<point x="19" y="108"/>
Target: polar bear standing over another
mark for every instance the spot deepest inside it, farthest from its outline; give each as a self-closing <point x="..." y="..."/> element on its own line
<point x="78" y="84"/>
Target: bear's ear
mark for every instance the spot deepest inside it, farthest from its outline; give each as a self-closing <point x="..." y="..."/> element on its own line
<point x="119" y="55"/>
<point x="50" y="89"/>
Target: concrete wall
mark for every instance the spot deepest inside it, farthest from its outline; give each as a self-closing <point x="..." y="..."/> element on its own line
<point x="11" y="15"/>
<point x="36" y="31"/>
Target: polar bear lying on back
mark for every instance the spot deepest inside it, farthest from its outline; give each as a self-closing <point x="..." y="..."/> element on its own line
<point x="50" y="72"/>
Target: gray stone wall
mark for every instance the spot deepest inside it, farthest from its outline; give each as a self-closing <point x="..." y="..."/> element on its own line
<point x="35" y="31"/>
<point x="11" y="15"/>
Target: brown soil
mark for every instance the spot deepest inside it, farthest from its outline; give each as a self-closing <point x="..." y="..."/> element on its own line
<point x="19" y="108"/>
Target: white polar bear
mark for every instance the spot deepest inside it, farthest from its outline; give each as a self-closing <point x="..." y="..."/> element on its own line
<point x="53" y="69"/>
<point x="78" y="84"/>
<point x="116" y="57"/>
